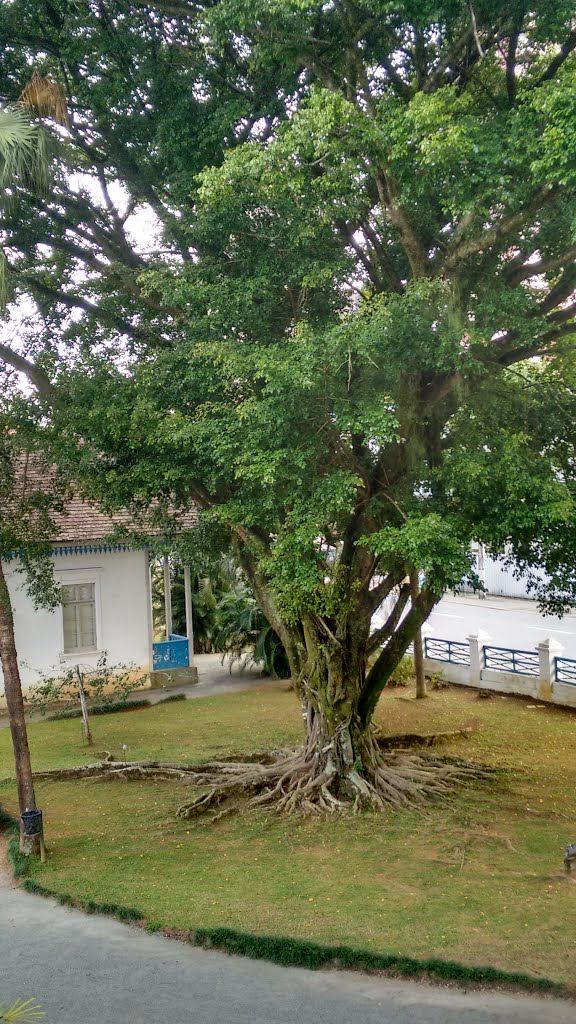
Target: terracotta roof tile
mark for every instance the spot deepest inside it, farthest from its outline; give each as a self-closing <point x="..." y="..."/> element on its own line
<point x="82" y="520"/>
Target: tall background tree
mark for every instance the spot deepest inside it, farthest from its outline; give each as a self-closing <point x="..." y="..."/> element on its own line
<point x="312" y="267"/>
<point x="25" y="530"/>
<point x="24" y="519"/>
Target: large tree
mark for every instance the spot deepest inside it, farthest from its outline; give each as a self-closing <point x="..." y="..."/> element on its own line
<point x="26" y="526"/>
<point x="356" y="230"/>
<point x="24" y="517"/>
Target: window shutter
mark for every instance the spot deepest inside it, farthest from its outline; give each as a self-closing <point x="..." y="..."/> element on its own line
<point x="70" y="633"/>
<point x="87" y="624"/>
<point x="79" y="617"/>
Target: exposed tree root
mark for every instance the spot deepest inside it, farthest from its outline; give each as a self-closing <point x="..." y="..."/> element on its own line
<point x="424" y="739"/>
<point x="293" y="784"/>
<point x="291" y="781"/>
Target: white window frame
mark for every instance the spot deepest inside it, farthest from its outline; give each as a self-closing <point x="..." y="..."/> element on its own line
<point x="69" y="578"/>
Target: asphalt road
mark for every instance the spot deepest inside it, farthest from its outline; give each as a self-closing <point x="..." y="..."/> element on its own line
<point x="90" y="970"/>
<point x="510" y="622"/>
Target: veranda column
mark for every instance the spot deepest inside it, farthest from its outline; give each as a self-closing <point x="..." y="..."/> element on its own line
<point x="167" y="596"/>
<point x="189" y="619"/>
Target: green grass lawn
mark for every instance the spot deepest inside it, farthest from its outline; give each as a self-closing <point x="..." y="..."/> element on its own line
<point x="467" y="880"/>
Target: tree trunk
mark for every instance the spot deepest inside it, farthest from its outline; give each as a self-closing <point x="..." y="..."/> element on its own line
<point x="15" y="704"/>
<point x="341" y="766"/>
<point x="339" y="746"/>
<point x="417" y="643"/>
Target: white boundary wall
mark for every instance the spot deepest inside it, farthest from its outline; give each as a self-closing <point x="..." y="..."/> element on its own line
<point x="543" y="687"/>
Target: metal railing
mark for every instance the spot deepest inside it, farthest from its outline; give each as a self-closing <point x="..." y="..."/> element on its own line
<point x="505" y="659"/>
<point x="447" y="650"/>
<point x="565" y="671"/>
<point x="172" y="653"/>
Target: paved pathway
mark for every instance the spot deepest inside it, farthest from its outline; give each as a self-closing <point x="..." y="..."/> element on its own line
<point x="214" y="678"/>
<point x="91" y="970"/>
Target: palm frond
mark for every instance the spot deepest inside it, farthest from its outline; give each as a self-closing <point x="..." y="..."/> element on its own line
<point x="23" y="150"/>
<point x="46" y="98"/>
<point x="27" y="1012"/>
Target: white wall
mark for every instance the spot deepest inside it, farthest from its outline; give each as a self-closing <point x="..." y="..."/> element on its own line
<point x="505" y="682"/>
<point x="499" y="578"/>
<point x="122" y="613"/>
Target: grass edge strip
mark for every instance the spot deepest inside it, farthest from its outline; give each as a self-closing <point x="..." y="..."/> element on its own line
<point x="286" y="952"/>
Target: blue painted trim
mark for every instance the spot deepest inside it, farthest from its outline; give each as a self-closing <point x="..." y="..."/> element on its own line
<point x="90" y="549"/>
<point x="96" y="548"/>
<point x="507" y="659"/>
<point x="447" y="650"/>
<point x="566" y="671"/>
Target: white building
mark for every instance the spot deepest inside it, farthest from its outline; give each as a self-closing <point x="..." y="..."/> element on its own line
<point x="498" y="576"/>
<point x="106" y="607"/>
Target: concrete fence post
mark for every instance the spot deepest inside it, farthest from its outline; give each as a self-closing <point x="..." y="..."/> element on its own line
<point x="476" y="642"/>
<point x="548" y="651"/>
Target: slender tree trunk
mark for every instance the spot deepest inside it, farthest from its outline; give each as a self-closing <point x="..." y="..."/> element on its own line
<point x="15" y="703"/>
<point x="417" y="643"/>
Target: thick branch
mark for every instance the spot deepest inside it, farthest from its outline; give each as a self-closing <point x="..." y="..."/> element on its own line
<point x="511" y="85"/>
<point x="35" y="375"/>
<point x="380" y="672"/>
<point x="413" y="246"/>
<point x="380" y="635"/>
<point x="502" y="228"/>
<point x="266" y="601"/>
<point x="75" y="301"/>
<point x="437" y="77"/>
<point x="561" y="291"/>
<point x="565" y="51"/>
<point x="516" y="274"/>
<point x="544" y="346"/>
<point x="380" y="592"/>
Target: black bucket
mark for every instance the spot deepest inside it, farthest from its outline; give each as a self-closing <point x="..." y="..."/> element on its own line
<point x="31" y="823"/>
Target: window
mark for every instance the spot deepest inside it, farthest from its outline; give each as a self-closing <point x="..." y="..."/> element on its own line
<point x="79" y="616"/>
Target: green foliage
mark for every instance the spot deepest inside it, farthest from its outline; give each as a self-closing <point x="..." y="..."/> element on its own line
<point x="88" y="906"/>
<point x="226" y="616"/>
<point x="512" y="468"/>
<point x="312" y="956"/>
<point x="243" y="635"/>
<point x="6" y="820"/>
<point x="27" y="1011"/>
<point x="19" y="862"/>
<point x="23" y="149"/>
<point x="27" y="520"/>
<point x="104" y="685"/>
<point x="404" y="671"/>
<point x="433" y="543"/>
<point x="356" y="246"/>
<point x="24" y="160"/>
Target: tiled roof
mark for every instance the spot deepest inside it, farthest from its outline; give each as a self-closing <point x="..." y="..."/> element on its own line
<point x="82" y="520"/>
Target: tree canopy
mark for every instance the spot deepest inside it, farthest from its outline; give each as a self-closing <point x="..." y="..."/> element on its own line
<point x="312" y="267"/>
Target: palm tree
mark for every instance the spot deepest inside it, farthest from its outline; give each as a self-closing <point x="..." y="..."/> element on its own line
<point x="24" y="163"/>
<point x="23" y="150"/>
<point x="25" y="147"/>
<point x="24" y="160"/>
